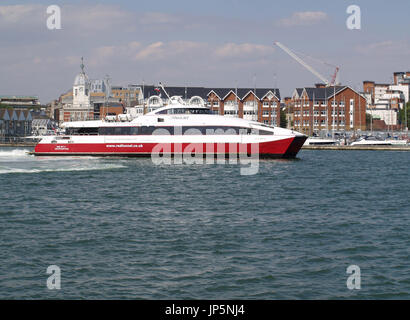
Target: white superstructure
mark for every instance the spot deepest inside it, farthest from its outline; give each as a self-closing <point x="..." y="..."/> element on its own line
<point x="173" y="125"/>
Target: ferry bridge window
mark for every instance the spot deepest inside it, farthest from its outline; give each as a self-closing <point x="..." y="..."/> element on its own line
<point x="151" y="130"/>
<point x="118" y="131"/>
<point x="178" y="111"/>
<point x="199" y="111"/>
<point x="211" y="130"/>
<point x="186" y="111"/>
<point x="88" y="131"/>
<point x="81" y="131"/>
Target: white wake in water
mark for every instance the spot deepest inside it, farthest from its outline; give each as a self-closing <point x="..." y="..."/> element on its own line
<point x="19" y="161"/>
<point x="15" y="153"/>
<point x="38" y="170"/>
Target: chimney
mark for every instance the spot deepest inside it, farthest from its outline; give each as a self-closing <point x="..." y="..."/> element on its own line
<point x="398" y="76"/>
<point x="320" y="85"/>
<point x="368" y="87"/>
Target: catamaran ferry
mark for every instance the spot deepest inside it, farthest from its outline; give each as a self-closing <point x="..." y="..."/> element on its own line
<point x="174" y="129"/>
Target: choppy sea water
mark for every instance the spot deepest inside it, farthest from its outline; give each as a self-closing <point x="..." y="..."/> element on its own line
<point x="129" y="229"/>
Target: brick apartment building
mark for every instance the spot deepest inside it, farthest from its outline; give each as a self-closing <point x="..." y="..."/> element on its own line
<point x="338" y="108"/>
<point x="261" y="105"/>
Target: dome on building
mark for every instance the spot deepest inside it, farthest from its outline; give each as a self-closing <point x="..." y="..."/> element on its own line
<point x="81" y="79"/>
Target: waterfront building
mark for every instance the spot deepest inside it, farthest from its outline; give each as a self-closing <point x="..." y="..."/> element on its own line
<point x="321" y="108"/>
<point x="4" y="122"/>
<point x="260" y="104"/>
<point x="79" y="108"/>
<point x="88" y="100"/>
<point x="386" y="100"/>
<point x="99" y="85"/>
<point x="128" y="95"/>
<point x="15" y="123"/>
<point x="19" y="101"/>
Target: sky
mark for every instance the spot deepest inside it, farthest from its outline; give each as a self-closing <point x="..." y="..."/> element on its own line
<point x="199" y="43"/>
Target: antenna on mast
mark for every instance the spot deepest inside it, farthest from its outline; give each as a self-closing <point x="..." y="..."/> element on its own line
<point x="82" y="65"/>
<point x="163" y="89"/>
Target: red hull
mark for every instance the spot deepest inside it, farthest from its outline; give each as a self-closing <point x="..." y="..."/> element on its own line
<point x="286" y="148"/>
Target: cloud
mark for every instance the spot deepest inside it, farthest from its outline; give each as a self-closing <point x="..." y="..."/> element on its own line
<point x="387" y="47"/>
<point x="17" y="13"/>
<point x="158" y="18"/>
<point x="103" y="55"/>
<point x="179" y="50"/>
<point x="73" y="17"/>
<point x="153" y="51"/>
<point x="95" y="18"/>
<point x="243" y="50"/>
<point x="305" y="18"/>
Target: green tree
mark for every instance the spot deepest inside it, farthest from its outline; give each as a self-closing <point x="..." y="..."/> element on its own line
<point x="402" y="115"/>
<point x="283" y="120"/>
<point x="368" y="121"/>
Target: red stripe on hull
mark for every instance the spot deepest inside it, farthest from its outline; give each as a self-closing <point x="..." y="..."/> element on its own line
<point x="279" y="148"/>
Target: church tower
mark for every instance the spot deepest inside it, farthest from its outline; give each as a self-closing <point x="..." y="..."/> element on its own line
<point x="81" y="90"/>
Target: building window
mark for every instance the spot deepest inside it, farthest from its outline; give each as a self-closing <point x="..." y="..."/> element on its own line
<point x="250" y="103"/>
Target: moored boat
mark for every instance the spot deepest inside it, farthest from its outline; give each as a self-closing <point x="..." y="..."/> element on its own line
<point x="371" y="141"/>
<point x="314" y="141"/>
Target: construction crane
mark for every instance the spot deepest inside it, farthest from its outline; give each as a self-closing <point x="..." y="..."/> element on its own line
<point x="328" y="83"/>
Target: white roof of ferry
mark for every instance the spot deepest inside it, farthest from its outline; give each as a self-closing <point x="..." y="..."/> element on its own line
<point x="174" y="119"/>
<point x="82" y="124"/>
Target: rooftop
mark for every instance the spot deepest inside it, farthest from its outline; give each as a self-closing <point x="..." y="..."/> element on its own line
<point x="203" y="92"/>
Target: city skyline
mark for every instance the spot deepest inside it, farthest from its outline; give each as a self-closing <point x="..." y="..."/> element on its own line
<point x="196" y="44"/>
